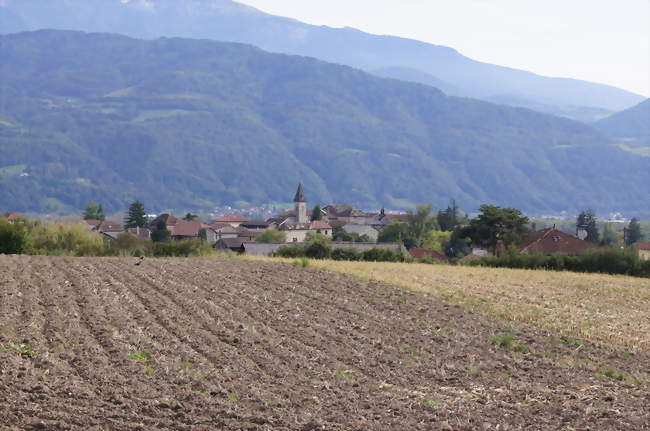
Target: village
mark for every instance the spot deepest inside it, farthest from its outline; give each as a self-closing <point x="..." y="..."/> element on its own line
<point x="342" y="225"/>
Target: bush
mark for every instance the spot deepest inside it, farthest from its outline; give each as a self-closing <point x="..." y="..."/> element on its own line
<point x="297" y="250"/>
<point x="345" y="254"/>
<point x="194" y="247"/>
<point x="129" y="245"/>
<point x="318" y="250"/>
<point x="377" y="254"/>
<point x="602" y="260"/>
<point x="14" y="238"/>
<point x="70" y="240"/>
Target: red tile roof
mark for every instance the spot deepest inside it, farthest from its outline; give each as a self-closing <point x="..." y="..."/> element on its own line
<point x="187" y="228"/>
<point x="550" y="240"/>
<point x="643" y="246"/>
<point x="320" y="224"/>
<point x="168" y="219"/>
<point x="11" y="216"/>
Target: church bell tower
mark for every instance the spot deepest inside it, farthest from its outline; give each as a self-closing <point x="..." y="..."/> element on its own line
<point x="301" y="205"/>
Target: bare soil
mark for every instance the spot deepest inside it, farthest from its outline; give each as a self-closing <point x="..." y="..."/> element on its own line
<point x="227" y="344"/>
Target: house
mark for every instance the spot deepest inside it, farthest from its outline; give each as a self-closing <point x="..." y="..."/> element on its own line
<point x="167" y="219"/>
<point x="186" y="230"/>
<point x="362" y="229"/>
<point x="644" y="250"/>
<point x="139" y="232"/>
<point x="346" y="213"/>
<point x="230" y="244"/>
<point x="108" y="226"/>
<point x="93" y="224"/>
<point x="551" y="240"/>
<point x="234" y="221"/>
<point x="11" y="217"/>
<point x="255" y="225"/>
<point x="214" y="233"/>
<point x="419" y="253"/>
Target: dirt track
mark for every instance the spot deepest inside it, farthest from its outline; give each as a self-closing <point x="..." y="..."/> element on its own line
<point x="193" y="344"/>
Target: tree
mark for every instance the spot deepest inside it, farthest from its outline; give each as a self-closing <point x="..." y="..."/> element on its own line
<point x="609" y="237"/>
<point x="94" y="212"/>
<point x="421" y="222"/>
<point x="190" y="217"/>
<point x="449" y="218"/>
<point x="397" y="232"/>
<point x="495" y="224"/>
<point x="457" y="246"/>
<point x="160" y="233"/>
<point x="633" y="232"/>
<point x="436" y="240"/>
<point x="272" y="236"/>
<point x="586" y="221"/>
<point x="316" y="213"/>
<point x="136" y="216"/>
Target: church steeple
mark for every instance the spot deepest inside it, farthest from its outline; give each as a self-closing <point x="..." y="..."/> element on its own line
<point x="300" y="203"/>
<point x="300" y="194"/>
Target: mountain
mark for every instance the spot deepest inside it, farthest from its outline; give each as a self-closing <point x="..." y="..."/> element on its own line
<point x="193" y="123"/>
<point x="632" y="124"/>
<point x="229" y="21"/>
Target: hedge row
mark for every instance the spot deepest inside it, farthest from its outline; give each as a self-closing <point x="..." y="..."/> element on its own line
<point x="606" y="261"/>
<point x="321" y="250"/>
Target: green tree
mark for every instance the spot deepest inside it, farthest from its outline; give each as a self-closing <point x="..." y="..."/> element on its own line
<point x="190" y="217"/>
<point x="420" y="223"/>
<point x="14" y="237"/>
<point x="136" y="216"/>
<point x="94" y="211"/>
<point x="633" y="232"/>
<point x="457" y="246"/>
<point x="586" y="221"/>
<point x="436" y="240"/>
<point x="272" y="236"/>
<point x="609" y="237"/>
<point x="160" y="233"/>
<point x="449" y="218"/>
<point x="495" y="224"/>
<point x="316" y="213"/>
<point x="397" y="232"/>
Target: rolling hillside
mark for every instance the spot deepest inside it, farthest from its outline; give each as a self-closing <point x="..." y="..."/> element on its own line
<point x="632" y="124"/>
<point x="193" y="123"/>
<point x="226" y="20"/>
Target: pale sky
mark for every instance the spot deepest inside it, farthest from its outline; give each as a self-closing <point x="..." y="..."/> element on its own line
<point x="605" y="41"/>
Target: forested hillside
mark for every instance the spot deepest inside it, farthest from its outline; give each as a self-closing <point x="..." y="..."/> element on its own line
<point x="412" y="60"/>
<point x="192" y="123"/>
<point x="632" y="124"/>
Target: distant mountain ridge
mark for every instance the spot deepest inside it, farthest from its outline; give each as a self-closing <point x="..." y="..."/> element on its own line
<point x="186" y="124"/>
<point x="229" y="21"/>
<point x="631" y="124"/>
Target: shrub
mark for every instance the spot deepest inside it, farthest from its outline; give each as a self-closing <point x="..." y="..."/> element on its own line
<point x="345" y="254"/>
<point x="194" y="247"/>
<point x="603" y="260"/>
<point x="71" y="240"/>
<point x="296" y="250"/>
<point x="318" y="250"/>
<point x="129" y="245"/>
<point x="14" y="237"/>
<point x="377" y="254"/>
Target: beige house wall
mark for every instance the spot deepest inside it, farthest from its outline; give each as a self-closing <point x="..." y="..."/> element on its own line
<point x="644" y="254"/>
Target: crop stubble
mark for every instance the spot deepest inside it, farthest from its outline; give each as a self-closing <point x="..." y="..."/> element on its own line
<point x="202" y="344"/>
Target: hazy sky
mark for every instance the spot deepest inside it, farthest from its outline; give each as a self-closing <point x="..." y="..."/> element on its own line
<point x="606" y="41"/>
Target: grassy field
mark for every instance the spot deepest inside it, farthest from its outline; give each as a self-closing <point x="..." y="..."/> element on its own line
<point x="612" y="310"/>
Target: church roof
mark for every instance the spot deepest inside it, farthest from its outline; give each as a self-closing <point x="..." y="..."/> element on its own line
<point x="300" y="194"/>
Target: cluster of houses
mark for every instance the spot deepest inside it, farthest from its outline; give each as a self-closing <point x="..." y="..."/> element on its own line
<point x="239" y="234"/>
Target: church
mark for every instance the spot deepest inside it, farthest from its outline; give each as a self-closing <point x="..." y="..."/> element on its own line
<point x="297" y="223"/>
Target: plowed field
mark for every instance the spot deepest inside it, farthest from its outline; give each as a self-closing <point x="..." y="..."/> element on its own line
<point x="226" y="344"/>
